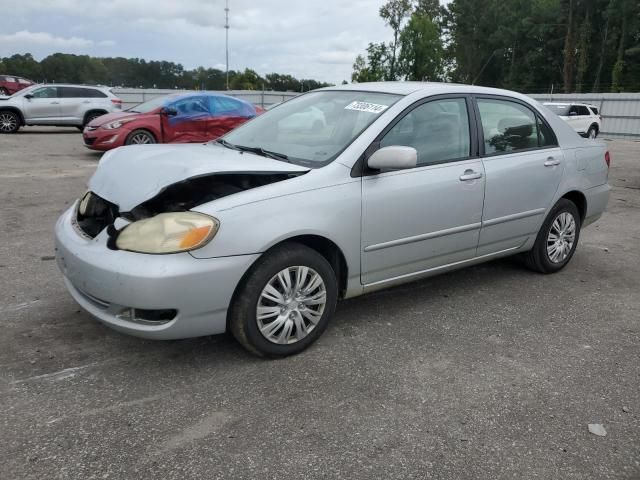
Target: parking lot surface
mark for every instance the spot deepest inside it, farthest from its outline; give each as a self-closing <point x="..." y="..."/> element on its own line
<point x="492" y="372"/>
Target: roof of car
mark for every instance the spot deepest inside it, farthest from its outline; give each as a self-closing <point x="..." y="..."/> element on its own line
<point x="566" y="104"/>
<point x="407" y="88"/>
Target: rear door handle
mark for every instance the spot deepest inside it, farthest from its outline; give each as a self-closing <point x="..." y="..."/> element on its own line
<point x="551" y="162"/>
<point x="55" y="103"/>
<point x="470" y="175"/>
<point x="87" y="101"/>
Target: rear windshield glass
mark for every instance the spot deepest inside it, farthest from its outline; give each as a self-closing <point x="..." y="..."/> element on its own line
<point x="562" y="110"/>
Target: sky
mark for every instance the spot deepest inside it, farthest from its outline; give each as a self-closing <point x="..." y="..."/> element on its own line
<point x="314" y="39"/>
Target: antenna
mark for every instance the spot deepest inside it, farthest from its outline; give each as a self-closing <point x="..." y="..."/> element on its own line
<point x="226" y="29"/>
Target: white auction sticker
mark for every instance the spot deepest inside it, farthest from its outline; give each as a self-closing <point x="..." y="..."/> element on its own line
<point x="366" y="107"/>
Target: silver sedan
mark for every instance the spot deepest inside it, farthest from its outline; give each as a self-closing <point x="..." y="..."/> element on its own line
<point x="264" y="230"/>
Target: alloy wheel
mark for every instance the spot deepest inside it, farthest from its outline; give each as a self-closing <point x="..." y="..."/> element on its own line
<point x="561" y="237"/>
<point x="291" y="305"/>
<point x="141" y="139"/>
<point x="8" y="122"/>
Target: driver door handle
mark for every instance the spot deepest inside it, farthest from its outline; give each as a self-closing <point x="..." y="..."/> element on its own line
<point x="551" y="162"/>
<point x="55" y="103"/>
<point x="470" y="175"/>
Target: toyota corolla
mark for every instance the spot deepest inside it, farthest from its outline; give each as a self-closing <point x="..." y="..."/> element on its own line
<point x="262" y="231"/>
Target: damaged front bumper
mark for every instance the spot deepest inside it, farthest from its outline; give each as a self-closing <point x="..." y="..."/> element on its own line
<point x="152" y="296"/>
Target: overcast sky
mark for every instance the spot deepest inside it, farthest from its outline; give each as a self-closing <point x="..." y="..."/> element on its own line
<point x="307" y="38"/>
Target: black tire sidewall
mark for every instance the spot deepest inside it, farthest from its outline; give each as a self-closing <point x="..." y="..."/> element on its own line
<point x="592" y="129"/>
<point x="563" y="205"/>
<point x="4" y="91"/>
<point x="243" y="319"/>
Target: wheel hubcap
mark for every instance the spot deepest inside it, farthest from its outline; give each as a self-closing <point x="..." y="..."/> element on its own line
<point x="291" y="305"/>
<point x="8" y="122"/>
<point x="141" y="139"/>
<point x="561" y="238"/>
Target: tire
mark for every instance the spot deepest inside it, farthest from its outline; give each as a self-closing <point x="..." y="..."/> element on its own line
<point x="140" y="137"/>
<point x="89" y="117"/>
<point x="295" y="323"/>
<point x="9" y="122"/>
<point x="3" y="91"/>
<point x="592" y="132"/>
<point x="542" y="257"/>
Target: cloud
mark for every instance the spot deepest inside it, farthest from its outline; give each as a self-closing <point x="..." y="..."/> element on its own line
<point x="311" y="39"/>
<point x="25" y="38"/>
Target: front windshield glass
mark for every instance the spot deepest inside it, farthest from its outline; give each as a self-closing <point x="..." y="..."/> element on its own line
<point x="149" y="106"/>
<point x="314" y="128"/>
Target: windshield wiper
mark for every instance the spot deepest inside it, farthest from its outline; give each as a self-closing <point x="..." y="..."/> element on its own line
<point x="224" y="143"/>
<point x="264" y="153"/>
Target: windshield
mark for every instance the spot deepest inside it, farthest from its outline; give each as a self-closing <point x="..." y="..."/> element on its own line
<point x="562" y="110"/>
<point x="149" y="106"/>
<point x="312" y="129"/>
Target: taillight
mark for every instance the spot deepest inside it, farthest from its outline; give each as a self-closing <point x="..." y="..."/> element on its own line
<point x="607" y="159"/>
<point x="117" y="102"/>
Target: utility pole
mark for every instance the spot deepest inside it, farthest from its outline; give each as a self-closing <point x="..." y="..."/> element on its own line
<point x="226" y="29"/>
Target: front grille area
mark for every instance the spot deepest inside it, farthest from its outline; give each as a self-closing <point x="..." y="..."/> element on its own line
<point x="89" y="140"/>
<point x="94" y="214"/>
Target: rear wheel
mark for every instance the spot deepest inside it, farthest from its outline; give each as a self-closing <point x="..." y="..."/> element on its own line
<point x="557" y="239"/>
<point x="9" y="122"/>
<point x="3" y="91"/>
<point x="592" y="132"/>
<point x="90" y="117"/>
<point x="285" y="301"/>
<point x="140" y="137"/>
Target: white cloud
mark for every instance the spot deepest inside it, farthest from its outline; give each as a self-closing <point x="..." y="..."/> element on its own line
<point x="25" y="38"/>
<point x="312" y="38"/>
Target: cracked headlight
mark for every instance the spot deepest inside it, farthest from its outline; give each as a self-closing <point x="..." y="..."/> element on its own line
<point x="168" y="233"/>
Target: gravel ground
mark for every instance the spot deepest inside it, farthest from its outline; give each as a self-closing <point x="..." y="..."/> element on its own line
<point x="492" y="372"/>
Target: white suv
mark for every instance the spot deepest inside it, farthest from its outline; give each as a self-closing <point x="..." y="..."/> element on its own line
<point x="57" y="105"/>
<point x="582" y="117"/>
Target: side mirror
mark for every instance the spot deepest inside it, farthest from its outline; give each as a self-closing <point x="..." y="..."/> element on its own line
<point x="394" y="157"/>
<point x="28" y="96"/>
<point x="169" y="111"/>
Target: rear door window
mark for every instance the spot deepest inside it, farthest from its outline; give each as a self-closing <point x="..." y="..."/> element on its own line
<point x="582" y="110"/>
<point x="510" y="127"/>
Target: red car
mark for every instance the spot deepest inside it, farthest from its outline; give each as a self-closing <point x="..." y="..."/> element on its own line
<point x="10" y="85"/>
<point x="178" y="118"/>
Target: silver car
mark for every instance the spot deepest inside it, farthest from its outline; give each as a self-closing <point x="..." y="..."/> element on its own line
<point x="262" y="231"/>
<point x="56" y="105"/>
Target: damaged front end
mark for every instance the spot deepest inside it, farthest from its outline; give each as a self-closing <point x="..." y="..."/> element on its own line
<point x="94" y="213"/>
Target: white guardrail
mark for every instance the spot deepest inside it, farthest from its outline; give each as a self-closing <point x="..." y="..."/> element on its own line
<point x="134" y="96"/>
<point x="620" y="111"/>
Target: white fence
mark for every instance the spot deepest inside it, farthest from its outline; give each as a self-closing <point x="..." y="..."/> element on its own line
<point x="134" y="96"/>
<point x="620" y="111"/>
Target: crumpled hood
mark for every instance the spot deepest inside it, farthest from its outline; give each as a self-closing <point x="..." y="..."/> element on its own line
<point x="127" y="176"/>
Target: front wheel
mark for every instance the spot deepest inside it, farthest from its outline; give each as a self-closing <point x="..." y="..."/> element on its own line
<point x="140" y="137"/>
<point x="9" y="122"/>
<point x="3" y="91"/>
<point x="557" y="239"/>
<point x="285" y="301"/>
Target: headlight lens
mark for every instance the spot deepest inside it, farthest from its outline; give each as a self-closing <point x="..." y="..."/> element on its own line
<point x="116" y="124"/>
<point x="168" y="233"/>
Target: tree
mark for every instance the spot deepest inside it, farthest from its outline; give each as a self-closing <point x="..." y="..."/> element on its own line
<point x="394" y="13"/>
<point x="420" y="49"/>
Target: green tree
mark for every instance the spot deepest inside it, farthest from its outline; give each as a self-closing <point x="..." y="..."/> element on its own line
<point x="420" y="49"/>
<point x="394" y="12"/>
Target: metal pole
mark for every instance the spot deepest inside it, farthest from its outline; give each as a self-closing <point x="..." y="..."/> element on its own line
<point x="226" y="29"/>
